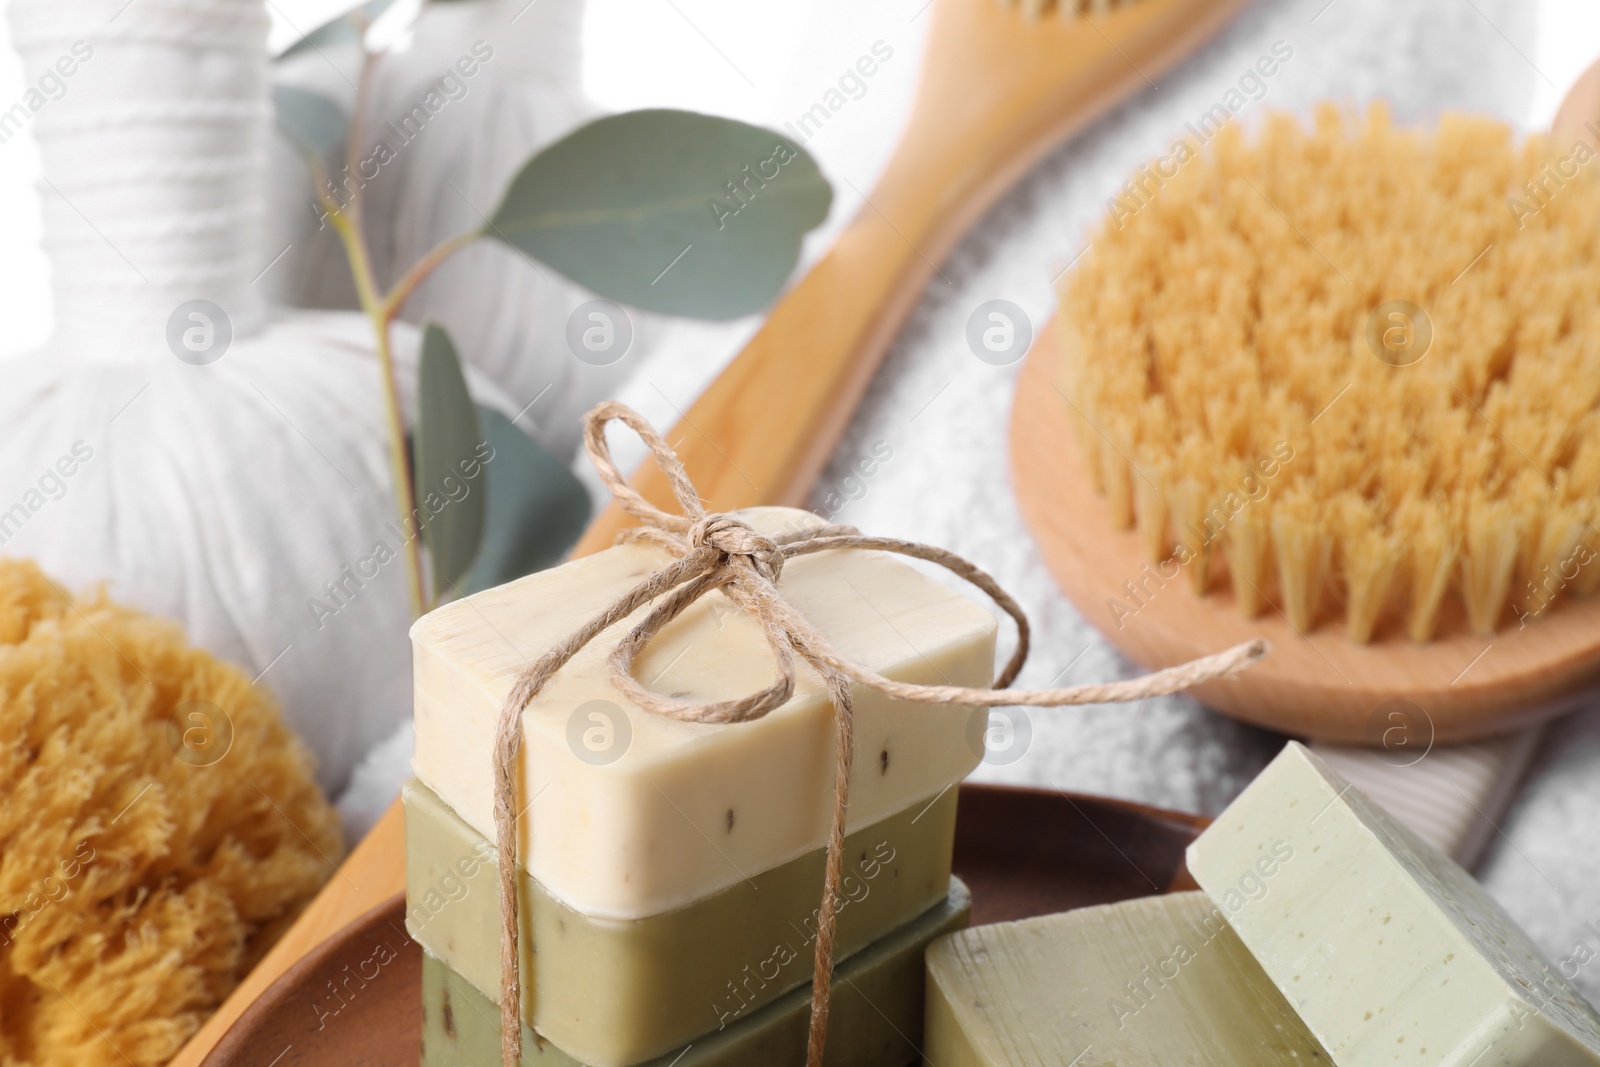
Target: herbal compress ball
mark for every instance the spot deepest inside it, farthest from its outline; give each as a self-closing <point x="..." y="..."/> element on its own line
<point x="1352" y="370"/>
<point x="158" y="827"/>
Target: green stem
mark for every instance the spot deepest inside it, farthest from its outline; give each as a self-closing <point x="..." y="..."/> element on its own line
<point x="381" y="310"/>
<point x="425" y="266"/>
<point x="356" y="131"/>
<point x="381" y="314"/>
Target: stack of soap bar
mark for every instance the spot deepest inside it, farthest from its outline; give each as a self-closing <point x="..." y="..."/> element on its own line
<point x="876" y="1012"/>
<point x="1388" y="950"/>
<point x="1153" y="982"/>
<point x="671" y="872"/>
<point x="665" y="970"/>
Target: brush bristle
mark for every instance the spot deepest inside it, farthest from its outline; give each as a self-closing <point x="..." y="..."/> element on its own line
<point x="1233" y="406"/>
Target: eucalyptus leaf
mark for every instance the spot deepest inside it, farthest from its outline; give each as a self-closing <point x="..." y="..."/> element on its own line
<point x="537" y="508"/>
<point x="337" y="31"/>
<point x="669" y="211"/>
<point x="450" y="450"/>
<point x="314" y="123"/>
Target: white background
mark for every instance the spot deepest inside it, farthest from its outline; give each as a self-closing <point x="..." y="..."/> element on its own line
<point x="673" y="53"/>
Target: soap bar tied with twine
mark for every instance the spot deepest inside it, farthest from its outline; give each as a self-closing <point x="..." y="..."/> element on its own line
<point x="721" y="551"/>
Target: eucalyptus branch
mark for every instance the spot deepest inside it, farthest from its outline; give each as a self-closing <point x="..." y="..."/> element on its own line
<point x="380" y="316"/>
<point x="346" y="220"/>
<point x="356" y="132"/>
<point x="382" y="308"/>
<point x="435" y="257"/>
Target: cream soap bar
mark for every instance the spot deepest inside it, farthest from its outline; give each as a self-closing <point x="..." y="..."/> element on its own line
<point x="631" y="814"/>
<point x="1388" y="950"/>
<point x="875" y="1017"/>
<point x="1155" y="982"/>
<point x="620" y="991"/>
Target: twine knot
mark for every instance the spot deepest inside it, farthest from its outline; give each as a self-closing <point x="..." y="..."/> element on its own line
<point x="721" y="551"/>
<point x="738" y="542"/>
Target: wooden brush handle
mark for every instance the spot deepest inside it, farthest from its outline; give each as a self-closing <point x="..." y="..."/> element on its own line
<point x="997" y="93"/>
<point x="764" y="428"/>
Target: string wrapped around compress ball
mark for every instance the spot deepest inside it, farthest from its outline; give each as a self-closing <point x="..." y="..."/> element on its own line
<point x="213" y="461"/>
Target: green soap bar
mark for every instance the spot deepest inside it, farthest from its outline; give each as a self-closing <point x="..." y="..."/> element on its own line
<point x="876" y="1012"/>
<point x="1155" y="982"/>
<point x="1389" y="951"/>
<point x="617" y="992"/>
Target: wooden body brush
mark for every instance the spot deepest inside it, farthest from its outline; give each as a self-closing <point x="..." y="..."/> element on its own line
<point x="1463" y="609"/>
<point x="999" y="89"/>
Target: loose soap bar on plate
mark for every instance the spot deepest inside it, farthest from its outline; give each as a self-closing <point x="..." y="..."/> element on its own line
<point x="876" y="1012"/>
<point x="622" y="991"/>
<point x="1389" y="951"/>
<point x="1156" y="982"/>
<point x="632" y="814"/>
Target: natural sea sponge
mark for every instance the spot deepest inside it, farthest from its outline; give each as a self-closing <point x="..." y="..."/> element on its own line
<point x="158" y="826"/>
<point x="1254" y="387"/>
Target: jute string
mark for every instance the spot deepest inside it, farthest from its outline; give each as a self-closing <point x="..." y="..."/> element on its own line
<point x="721" y="551"/>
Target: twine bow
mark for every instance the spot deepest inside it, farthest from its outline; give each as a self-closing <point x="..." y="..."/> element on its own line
<point x="721" y="551"/>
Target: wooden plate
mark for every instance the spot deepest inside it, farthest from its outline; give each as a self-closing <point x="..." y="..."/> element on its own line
<point x="1022" y="851"/>
<point x="1317" y="684"/>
